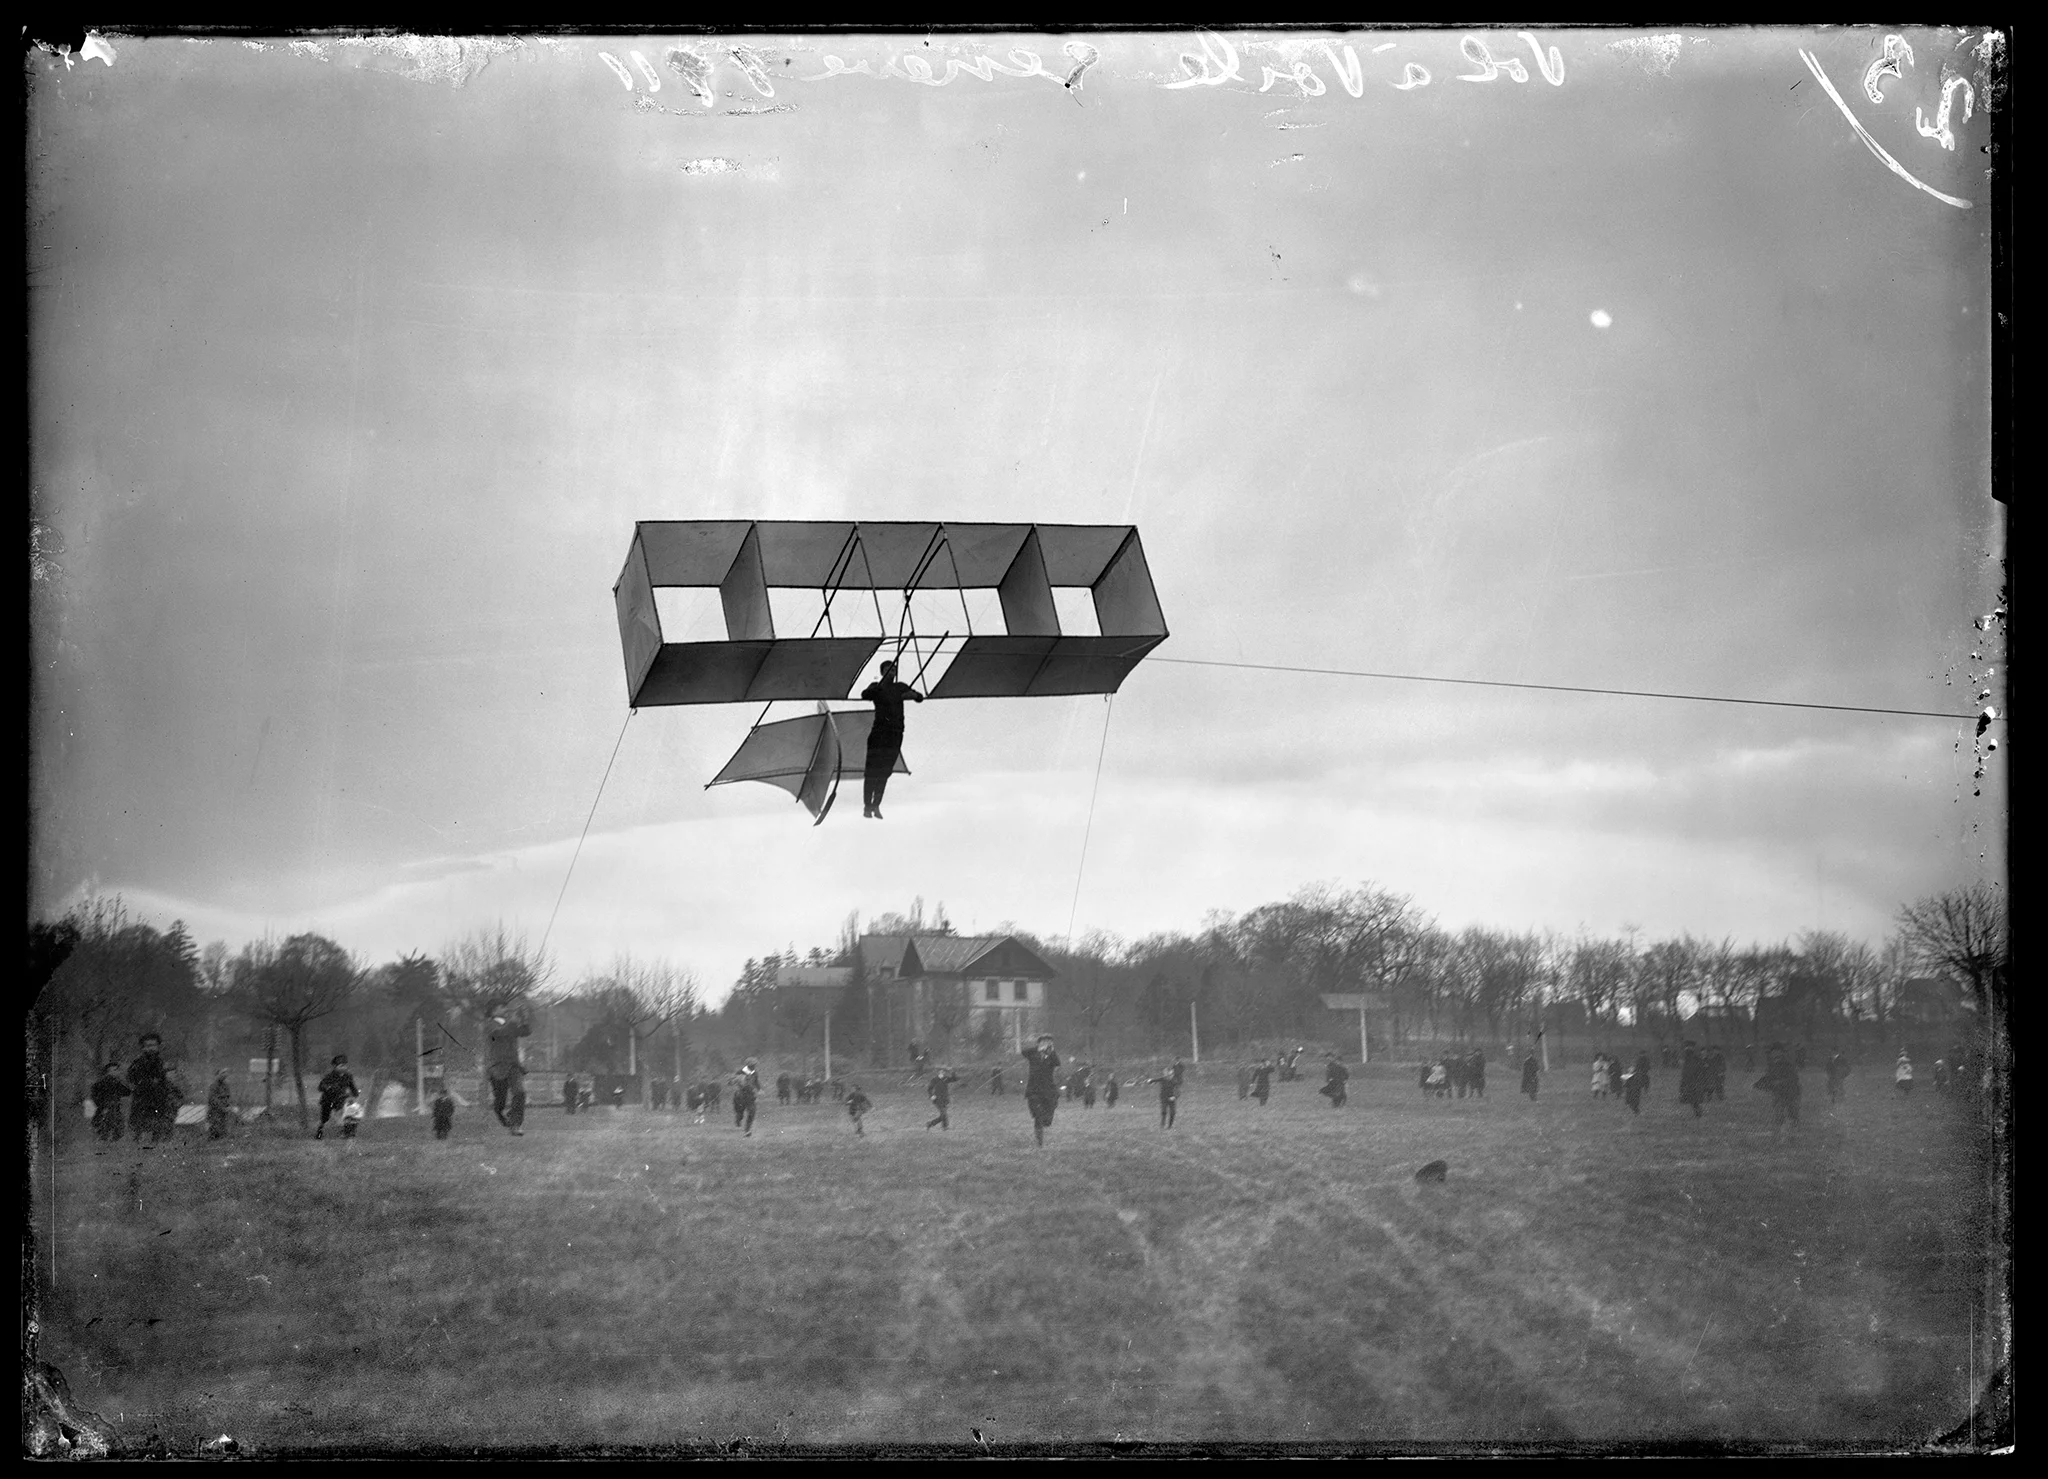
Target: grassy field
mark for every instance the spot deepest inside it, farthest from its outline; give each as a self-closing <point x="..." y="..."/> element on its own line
<point x="624" y="1279"/>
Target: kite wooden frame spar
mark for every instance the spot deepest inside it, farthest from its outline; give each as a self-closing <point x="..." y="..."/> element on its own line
<point x="744" y="559"/>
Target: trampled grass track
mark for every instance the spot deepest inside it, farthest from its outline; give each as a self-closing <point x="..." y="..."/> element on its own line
<point x="1271" y="1275"/>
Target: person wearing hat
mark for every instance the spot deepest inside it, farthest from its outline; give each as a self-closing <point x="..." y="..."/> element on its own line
<point x="109" y="1119"/>
<point x="335" y="1087"/>
<point x="1262" y="1081"/>
<point x="506" y="1073"/>
<point x="220" y="1103"/>
<point x="1041" y="1085"/>
<point x="157" y="1098"/>
<point x="746" y="1088"/>
<point x="885" y="738"/>
<point x="1902" y="1076"/>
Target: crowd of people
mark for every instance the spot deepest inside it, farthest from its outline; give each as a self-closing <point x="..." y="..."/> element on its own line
<point x="144" y="1099"/>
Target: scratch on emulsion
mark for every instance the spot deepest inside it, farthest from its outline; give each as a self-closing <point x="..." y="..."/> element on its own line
<point x="1813" y="66"/>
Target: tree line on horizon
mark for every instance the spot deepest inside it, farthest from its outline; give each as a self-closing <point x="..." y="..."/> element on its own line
<point x="101" y="979"/>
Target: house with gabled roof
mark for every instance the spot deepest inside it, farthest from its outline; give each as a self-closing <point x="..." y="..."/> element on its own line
<point x="957" y="987"/>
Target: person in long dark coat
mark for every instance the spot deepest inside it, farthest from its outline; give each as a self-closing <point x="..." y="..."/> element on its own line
<point x="1262" y="1082"/>
<point x="444" y="1113"/>
<point x="1530" y="1073"/>
<point x="1636" y="1087"/>
<point x="1615" y="1075"/>
<point x="1781" y="1082"/>
<point x="335" y="1087"/>
<point x="782" y="1088"/>
<point x="1109" y="1091"/>
<point x="1335" y="1078"/>
<point x="1717" y="1073"/>
<point x="109" y="1119"/>
<point x="746" y="1088"/>
<point x="1475" y="1072"/>
<point x="1692" y="1079"/>
<point x="1455" y="1066"/>
<point x="572" y="1095"/>
<point x="1041" y="1085"/>
<point x="155" y="1112"/>
<point x="857" y="1106"/>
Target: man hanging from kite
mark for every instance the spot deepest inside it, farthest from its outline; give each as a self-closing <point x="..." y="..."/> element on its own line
<point x="885" y="739"/>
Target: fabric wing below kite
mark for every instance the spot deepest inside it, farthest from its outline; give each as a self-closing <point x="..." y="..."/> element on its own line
<point x="806" y="756"/>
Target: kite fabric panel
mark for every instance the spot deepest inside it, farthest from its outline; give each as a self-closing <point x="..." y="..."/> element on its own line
<point x="805" y="756"/>
<point x="746" y="559"/>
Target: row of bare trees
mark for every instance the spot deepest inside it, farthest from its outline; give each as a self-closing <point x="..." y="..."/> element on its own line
<point x="1263" y="974"/>
<point x="101" y="979"/>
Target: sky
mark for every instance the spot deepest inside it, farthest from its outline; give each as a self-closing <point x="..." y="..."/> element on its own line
<point x="1605" y="359"/>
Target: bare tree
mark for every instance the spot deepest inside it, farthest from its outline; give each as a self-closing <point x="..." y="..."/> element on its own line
<point x="1966" y="931"/>
<point x="292" y="985"/>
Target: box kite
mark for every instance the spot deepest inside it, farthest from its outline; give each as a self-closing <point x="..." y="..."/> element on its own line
<point x="853" y="565"/>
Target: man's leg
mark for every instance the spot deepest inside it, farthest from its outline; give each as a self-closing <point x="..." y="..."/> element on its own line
<point x="500" y="1088"/>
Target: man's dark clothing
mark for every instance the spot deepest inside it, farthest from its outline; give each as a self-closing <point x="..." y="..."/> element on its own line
<point x="1262" y="1082"/>
<point x="1637" y="1085"/>
<point x="1109" y="1093"/>
<point x="782" y="1088"/>
<point x="1475" y="1072"/>
<point x="1041" y="1085"/>
<point x="885" y="737"/>
<point x="1781" y="1082"/>
<point x="1335" y="1077"/>
<point x="108" y="1115"/>
<point x="444" y="1114"/>
<point x="746" y="1085"/>
<point x="1529" y="1075"/>
<point x="335" y="1087"/>
<point x="1169" y="1096"/>
<point x="506" y="1073"/>
<point x="570" y="1094"/>
<point x="1692" y="1081"/>
<point x="156" y="1098"/>
<point x="940" y="1092"/>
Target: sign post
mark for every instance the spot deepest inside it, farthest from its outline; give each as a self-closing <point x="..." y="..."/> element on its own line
<point x="1343" y="1001"/>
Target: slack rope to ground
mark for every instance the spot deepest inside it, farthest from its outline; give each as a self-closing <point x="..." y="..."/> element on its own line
<point x="1698" y="698"/>
<point x="1109" y="699"/>
<point x="586" y="831"/>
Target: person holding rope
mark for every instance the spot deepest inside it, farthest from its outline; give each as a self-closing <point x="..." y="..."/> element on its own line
<point x="885" y="739"/>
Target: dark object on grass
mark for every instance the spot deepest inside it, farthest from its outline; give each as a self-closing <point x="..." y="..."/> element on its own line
<point x="1434" y="1171"/>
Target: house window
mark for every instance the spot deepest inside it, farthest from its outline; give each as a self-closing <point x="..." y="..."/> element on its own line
<point x="1022" y="990"/>
<point x="991" y="990"/>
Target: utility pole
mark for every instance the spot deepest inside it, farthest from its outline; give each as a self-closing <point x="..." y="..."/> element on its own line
<point x="828" y="1045"/>
<point x="419" y="1066"/>
<point x="1194" y="1033"/>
